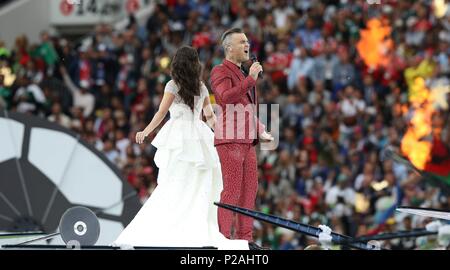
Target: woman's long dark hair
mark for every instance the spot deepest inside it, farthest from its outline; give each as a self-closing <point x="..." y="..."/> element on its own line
<point x="185" y="71"/>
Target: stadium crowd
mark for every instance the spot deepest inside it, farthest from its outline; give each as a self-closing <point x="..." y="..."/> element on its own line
<point x="336" y="113"/>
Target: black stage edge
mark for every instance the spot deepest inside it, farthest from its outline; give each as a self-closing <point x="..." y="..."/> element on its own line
<point x="223" y="259"/>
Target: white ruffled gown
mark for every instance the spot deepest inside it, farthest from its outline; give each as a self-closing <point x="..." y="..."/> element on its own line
<point x="180" y="211"/>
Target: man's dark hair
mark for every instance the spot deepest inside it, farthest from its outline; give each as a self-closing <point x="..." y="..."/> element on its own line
<point x="228" y="33"/>
<point x="231" y="31"/>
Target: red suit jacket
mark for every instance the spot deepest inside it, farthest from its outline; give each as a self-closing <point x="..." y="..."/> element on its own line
<point x="237" y="98"/>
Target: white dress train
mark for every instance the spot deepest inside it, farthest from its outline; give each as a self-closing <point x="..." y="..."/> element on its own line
<point x="180" y="211"/>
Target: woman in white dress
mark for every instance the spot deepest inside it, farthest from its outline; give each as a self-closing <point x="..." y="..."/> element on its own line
<point x="180" y="212"/>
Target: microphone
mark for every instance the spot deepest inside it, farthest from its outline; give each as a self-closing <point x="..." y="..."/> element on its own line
<point x="255" y="59"/>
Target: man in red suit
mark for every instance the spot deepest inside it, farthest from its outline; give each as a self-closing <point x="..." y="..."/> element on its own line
<point x="237" y="132"/>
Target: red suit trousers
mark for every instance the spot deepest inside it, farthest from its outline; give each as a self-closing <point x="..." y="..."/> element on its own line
<point x="240" y="185"/>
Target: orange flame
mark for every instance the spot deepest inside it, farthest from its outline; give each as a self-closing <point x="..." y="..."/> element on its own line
<point x="412" y="145"/>
<point x="375" y="44"/>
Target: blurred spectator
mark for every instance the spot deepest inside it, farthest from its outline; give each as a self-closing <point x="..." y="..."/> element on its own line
<point x="29" y="96"/>
<point x="81" y="96"/>
<point x="5" y="93"/>
<point x="58" y="116"/>
<point x="301" y="66"/>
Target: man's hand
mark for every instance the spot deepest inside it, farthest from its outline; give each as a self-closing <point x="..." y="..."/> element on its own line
<point x="266" y="137"/>
<point x="140" y="137"/>
<point x="255" y="69"/>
